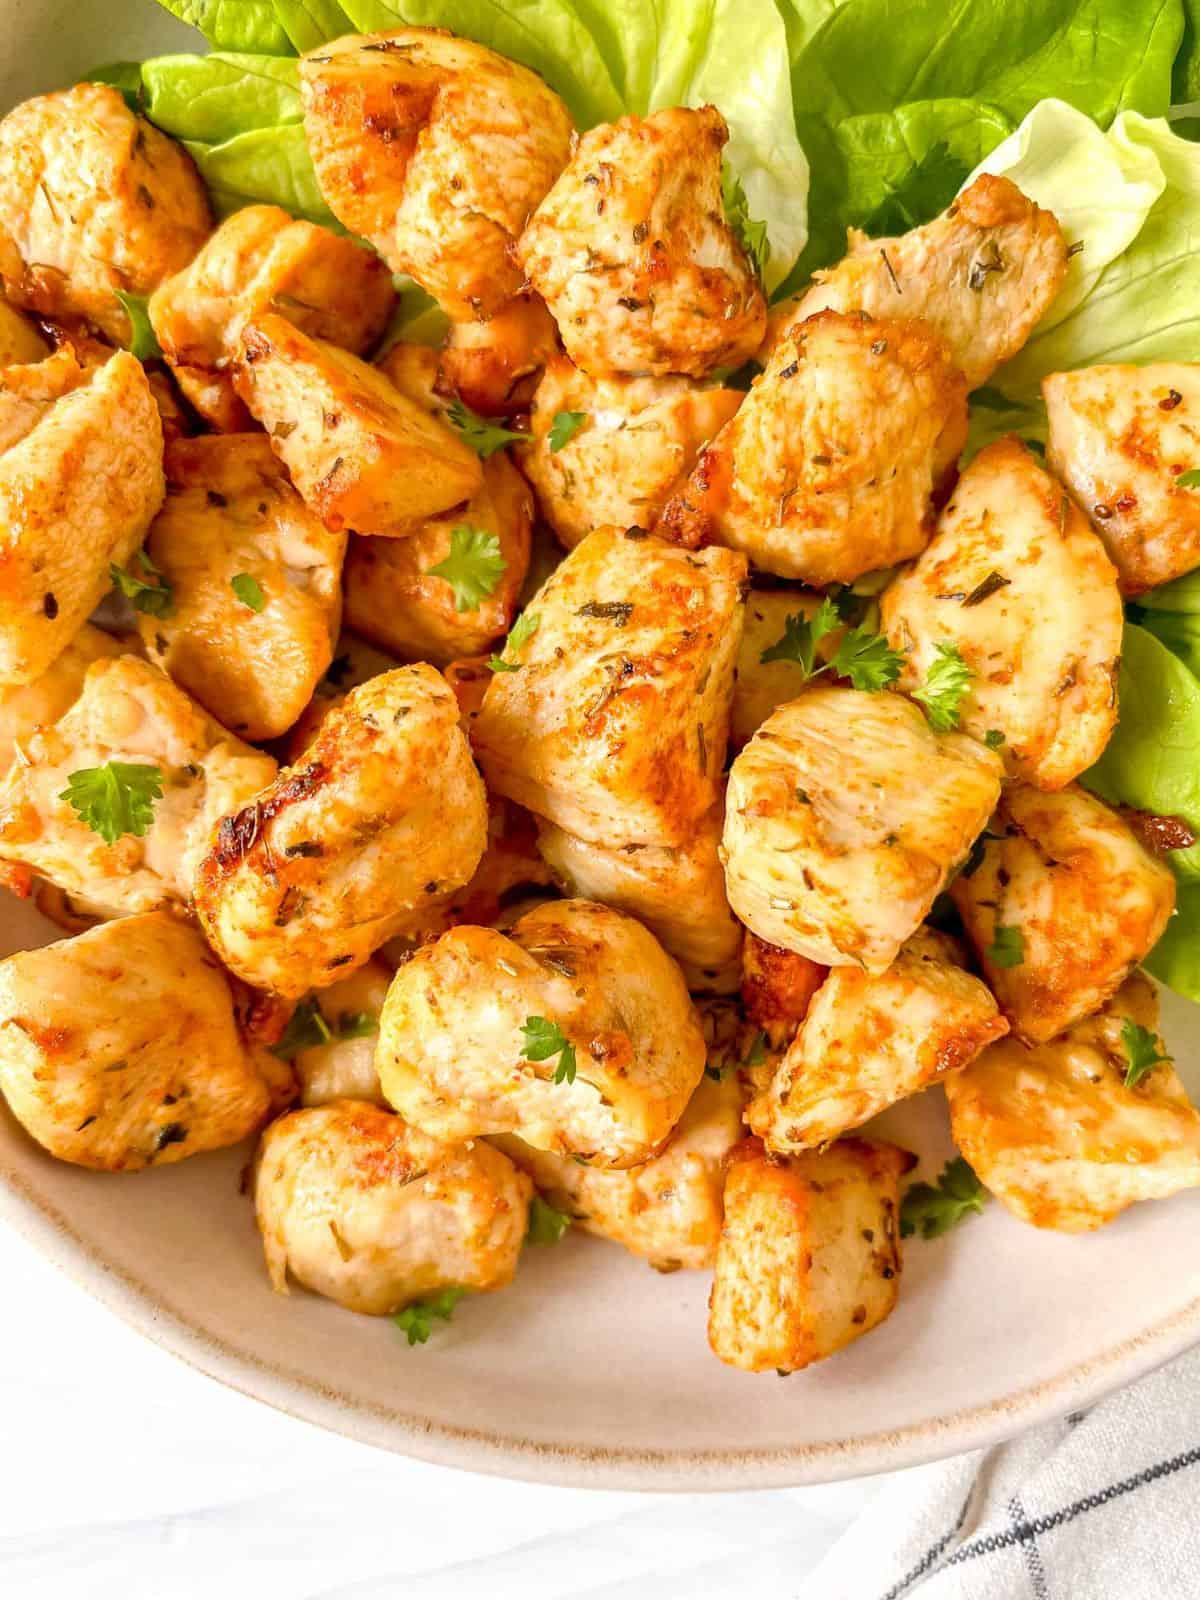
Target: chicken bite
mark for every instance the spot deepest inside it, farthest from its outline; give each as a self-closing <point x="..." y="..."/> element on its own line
<point x="493" y="365"/>
<point x="632" y="252"/>
<point x="384" y="813"/>
<point x="363" y="455"/>
<point x="119" y="1049"/>
<point x="615" y="724"/>
<point x="435" y="149"/>
<point x="396" y="598"/>
<point x="26" y="706"/>
<point x="1043" y="684"/>
<point x="1062" y="905"/>
<point x="828" y="468"/>
<point x="635" y="438"/>
<point x="1056" y="1134"/>
<point x="1121" y="438"/>
<point x="357" y="1205"/>
<point x="846" y="815"/>
<point x="20" y="342"/>
<point x="574" y="1031"/>
<point x="262" y="260"/>
<point x="254" y="581"/>
<point x="80" y="478"/>
<point x="777" y="988"/>
<point x="97" y="202"/>
<point x="809" y="1258"/>
<point x="128" y="715"/>
<point x="867" y="1042"/>
<point x="982" y="274"/>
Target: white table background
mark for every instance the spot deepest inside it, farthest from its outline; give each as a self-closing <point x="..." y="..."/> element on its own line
<point x="124" y="1475"/>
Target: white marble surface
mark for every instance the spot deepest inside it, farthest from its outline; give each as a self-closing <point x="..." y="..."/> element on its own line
<point x="126" y="1476"/>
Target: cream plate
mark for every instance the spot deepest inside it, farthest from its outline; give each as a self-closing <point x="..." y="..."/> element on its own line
<point x="592" y="1369"/>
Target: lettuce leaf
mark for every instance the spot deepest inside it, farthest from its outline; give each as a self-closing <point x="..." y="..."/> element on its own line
<point x="220" y="96"/>
<point x="250" y="25"/>
<point x="309" y="23"/>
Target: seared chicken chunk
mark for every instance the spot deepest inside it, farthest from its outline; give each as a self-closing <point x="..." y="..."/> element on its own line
<point x="1043" y="671"/>
<point x="678" y="891"/>
<point x="20" y="342"/>
<point x="355" y="662"/>
<point x="358" y="1206"/>
<point x="128" y="713"/>
<point x="342" y="1067"/>
<point x="634" y="439"/>
<point x="119" y="1049"/>
<point x="827" y="470"/>
<point x="1058" y="1137"/>
<point x="846" y="814"/>
<point x="589" y="991"/>
<point x="614" y="727"/>
<point x="777" y="988"/>
<point x="384" y="813"/>
<point x="255" y="584"/>
<point x="395" y="597"/>
<point x="262" y="260"/>
<point x="1063" y="904"/>
<point x="26" y="706"/>
<point x="982" y="274"/>
<point x="97" y="202"/>
<point x="668" y="1210"/>
<point x="809" y="1258"/>
<point x="760" y="686"/>
<point x="436" y="150"/>
<point x="80" y="479"/>
<point x="363" y="455"/>
<point x="1120" y="439"/>
<point x="493" y="365"/>
<point x="867" y="1042"/>
<point x="632" y="253"/>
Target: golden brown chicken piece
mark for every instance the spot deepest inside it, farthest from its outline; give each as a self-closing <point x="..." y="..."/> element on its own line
<point x="760" y="686"/>
<point x="80" y="479"/>
<point x="827" y="470"/>
<point x="436" y="150"/>
<point x="1121" y="437"/>
<point x="669" y="1209"/>
<point x="255" y="584"/>
<point x="982" y="274"/>
<point x="617" y="1049"/>
<point x="358" y="1206"/>
<point x="384" y="813"/>
<point x="20" y="342"/>
<point x="395" y="598"/>
<point x="1063" y="904"/>
<point x="26" y="706"/>
<point x="1043" y="685"/>
<point x="414" y="369"/>
<point x="262" y="260"/>
<point x="846" y="814"/>
<point x="493" y="365"/>
<point x="777" y="988"/>
<point x="97" y="202"/>
<point x="1058" y="1137"/>
<point x="809" y="1258"/>
<point x="634" y="439"/>
<point x="614" y="725"/>
<point x="119" y="1049"/>
<point x="867" y="1042"/>
<point x="632" y="253"/>
<point x="128" y="713"/>
<point x="355" y="662"/>
<point x="342" y="1066"/>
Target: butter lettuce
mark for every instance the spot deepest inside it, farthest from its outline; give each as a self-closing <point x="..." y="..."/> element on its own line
<point x="251" y="25"/>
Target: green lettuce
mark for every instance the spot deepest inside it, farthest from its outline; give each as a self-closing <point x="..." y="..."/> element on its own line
<point x="251" y="25"/>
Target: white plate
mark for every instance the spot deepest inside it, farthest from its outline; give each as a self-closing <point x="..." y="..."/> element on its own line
<point x="593" y="1369"/>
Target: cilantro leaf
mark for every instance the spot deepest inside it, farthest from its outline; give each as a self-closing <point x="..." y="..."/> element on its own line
<point x="356" y="1024"/>
<point x="484" y="437"/>
<point x="1189" y="479"/>
<point x="522" y="629"/>
<point x="565" y="426"/>
<point x="248" y="590"/>
<point x="308" y="1028"/>
<point x="544" y="1039"/>
<point x="946" y="682"/>
<point x="926" y="188"/>
<point x="751" y="235"/>
<point x="416" y="1320"/>
<point x="474" y="566"/>
<point x="143" y="342"/>
<point x="1007" y="948"/>
<point x="930" y="1210"/>
<point x="546" y="1223"/>
<point x="154" y="599"/>
<point x="1141" y="1051"/>
<point x="867" y="660"/>
<point x="115" y="799"/>
<point x="801" y="635"/>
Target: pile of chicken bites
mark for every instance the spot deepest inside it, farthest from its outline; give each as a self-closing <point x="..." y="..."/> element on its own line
<point x="597" y="887"/>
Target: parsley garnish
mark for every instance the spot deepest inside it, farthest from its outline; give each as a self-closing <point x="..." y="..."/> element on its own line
<point x="751" y="235"/>
<point x="309" y="1029"/>
<point x="484" y="437"/>
<point x="154" y="599"/>
<point x="1007" y="948"/>
<point x="862" y="656"/>
<point x="248" y="590"/>
<point x="474" y="566"/>
<point x="1141" y="1051"/>
<point x="801" y="635"/>
<point x="565" y="426"/>
<point x="1189" y="479"/>
<point x="993" y="738"/>
<point x="522" y="630"/>
<point x="544" y="1039"/>
<point x="142" y="340"/>
<point x="115" y="799"/>
<point x="930" y="1211"/>
<point x="926" y="188"/>
<point x="546" y="1224"/>
<point x="867" y="660"/>
<point x="416" y="1320"/>
<point x="945" y="684"/>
